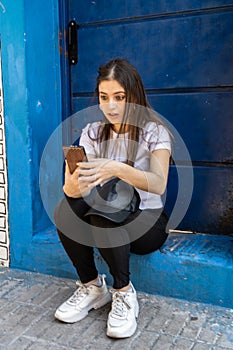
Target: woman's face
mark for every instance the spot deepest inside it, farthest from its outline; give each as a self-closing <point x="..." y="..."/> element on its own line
<point x="112" y="99"/>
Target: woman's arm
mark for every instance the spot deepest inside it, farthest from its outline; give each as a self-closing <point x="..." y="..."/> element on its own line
<point x="154" y="180"/>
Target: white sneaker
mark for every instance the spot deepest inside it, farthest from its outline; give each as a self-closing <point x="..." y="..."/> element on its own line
<point x="82" y="301"/>
<point x="122" y="321"/>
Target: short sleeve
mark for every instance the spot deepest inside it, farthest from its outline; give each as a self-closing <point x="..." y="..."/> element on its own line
<point x="158" y="138"/>
<point x="87" y="138"/>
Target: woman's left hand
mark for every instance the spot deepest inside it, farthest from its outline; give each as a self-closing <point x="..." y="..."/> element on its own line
<point x="99" y="170"/>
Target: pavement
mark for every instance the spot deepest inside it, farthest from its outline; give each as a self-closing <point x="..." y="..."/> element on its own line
<point x="28" y="301"/>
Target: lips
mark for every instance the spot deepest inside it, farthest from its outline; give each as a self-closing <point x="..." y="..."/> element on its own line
<point x="113" y="115"/>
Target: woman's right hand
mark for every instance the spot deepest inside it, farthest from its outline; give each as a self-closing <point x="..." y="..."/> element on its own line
<point x="74" y="185"/>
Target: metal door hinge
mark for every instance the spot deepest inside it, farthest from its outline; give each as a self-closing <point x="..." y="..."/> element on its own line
<point x="73" y="42"/>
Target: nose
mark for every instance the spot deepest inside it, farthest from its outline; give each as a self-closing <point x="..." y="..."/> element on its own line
<point x="112" y="103"/>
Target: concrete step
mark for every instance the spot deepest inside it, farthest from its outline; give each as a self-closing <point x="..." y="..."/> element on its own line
<point x="195" y="267"/>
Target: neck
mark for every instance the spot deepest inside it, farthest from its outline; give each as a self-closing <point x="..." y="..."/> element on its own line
<point x="118" y="128"/>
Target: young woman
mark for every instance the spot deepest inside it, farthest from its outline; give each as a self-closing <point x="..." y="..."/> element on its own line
<point x="132" y="144"/>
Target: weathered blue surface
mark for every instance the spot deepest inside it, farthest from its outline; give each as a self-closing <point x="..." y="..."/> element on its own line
<point x="213" y="211"/>
<point x="44" y="91"/>
<point x="194" y="267"/>
<point x="198" y="117"/>
<point x="17" y="126"/>
<point x="184" y="53"/>
<point x="197" y="266"/>
<point x="32" y="105"/>
<point x="176" y="54"/>
<point x="101" y="11"/>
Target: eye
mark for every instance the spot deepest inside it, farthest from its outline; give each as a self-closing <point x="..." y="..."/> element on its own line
<point x="103" y="97"/>
<point x="120" y="98"/>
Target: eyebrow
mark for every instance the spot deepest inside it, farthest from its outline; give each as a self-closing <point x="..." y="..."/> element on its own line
<point x="115" y="93"/>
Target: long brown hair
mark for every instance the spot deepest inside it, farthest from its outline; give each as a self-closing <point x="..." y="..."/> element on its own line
<point x="127" y="76"/>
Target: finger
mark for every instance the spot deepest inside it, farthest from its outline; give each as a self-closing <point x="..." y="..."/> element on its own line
<point x="84" y="180"/>
<point x="86" y="165"/>
<point x="87" y="179"/>
<point x="92" y="163"/>
<point x="95" y="183"/>
<point x="87" y="172"/>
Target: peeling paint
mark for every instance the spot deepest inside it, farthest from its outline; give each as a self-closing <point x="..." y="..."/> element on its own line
<point x="39" y="107"/>
<point x="2" y="7"/>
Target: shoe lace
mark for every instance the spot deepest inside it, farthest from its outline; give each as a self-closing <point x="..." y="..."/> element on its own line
<point x="120" y="304"/>
<point x="79" y="294"/>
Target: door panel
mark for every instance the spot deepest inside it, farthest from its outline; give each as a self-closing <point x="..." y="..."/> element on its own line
<point x="184" y="53"/>
<point x="88" y="11"/>
<point x="211" y="203"/>
<point x="174" y="55"/>
<point x="199" y="119"/>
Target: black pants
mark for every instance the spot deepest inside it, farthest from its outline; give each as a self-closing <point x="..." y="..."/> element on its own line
<point x="149" y="226"/>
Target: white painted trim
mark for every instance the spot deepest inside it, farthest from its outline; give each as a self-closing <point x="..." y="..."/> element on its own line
<point x="4" y="227"/>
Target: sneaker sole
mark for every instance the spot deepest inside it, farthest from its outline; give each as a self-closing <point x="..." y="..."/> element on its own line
<point x="120" y="335"/>
<point x="81" y="315"/>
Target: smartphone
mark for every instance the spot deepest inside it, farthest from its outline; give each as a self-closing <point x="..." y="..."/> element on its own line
<point x="73" y="155"/>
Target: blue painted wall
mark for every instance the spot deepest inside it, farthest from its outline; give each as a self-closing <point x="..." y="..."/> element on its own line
<point x="18" y="143"/>
<point x="29" y="33"/>
<point x="31" y="66"/>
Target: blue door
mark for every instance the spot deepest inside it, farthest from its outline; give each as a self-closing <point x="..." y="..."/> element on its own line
<point x="184" y="53"/>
